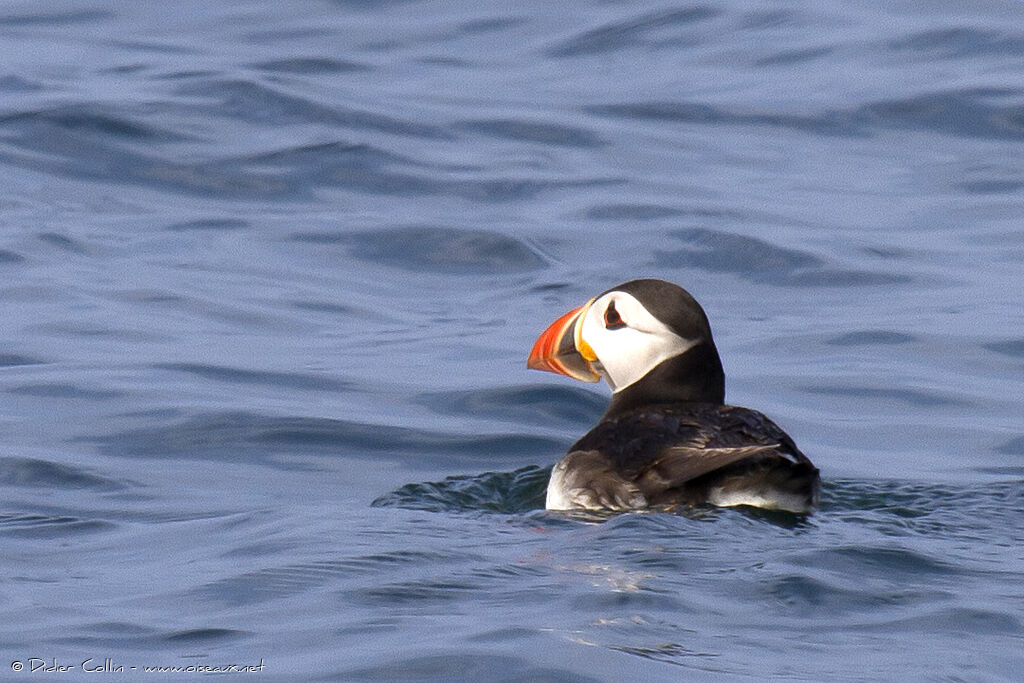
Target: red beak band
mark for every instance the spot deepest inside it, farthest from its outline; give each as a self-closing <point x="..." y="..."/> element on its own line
<point x="556" y="351"/>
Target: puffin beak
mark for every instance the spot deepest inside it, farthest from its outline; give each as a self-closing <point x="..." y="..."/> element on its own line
<point x="561" y="348"/>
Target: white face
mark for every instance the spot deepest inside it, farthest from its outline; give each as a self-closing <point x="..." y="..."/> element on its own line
<point x="627" y="340"/>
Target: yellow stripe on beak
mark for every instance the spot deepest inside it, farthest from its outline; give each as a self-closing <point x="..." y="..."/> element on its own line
<point x="577" y="334"/>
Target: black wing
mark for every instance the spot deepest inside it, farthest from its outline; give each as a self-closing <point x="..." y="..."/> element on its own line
<point x="676" y="454"/>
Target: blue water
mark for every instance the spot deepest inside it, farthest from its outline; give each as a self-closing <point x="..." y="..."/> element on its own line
<point x="269" y="273"/>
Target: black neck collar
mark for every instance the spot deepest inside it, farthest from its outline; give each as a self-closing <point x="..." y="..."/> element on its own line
<point x="694" y="376"/>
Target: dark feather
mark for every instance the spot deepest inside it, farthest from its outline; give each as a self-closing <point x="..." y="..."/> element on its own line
<point x="680" y="453"/>
<point x="680" y="464"/>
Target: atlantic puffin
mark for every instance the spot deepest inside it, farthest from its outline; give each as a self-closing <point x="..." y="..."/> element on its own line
<point x="668" y="438"/>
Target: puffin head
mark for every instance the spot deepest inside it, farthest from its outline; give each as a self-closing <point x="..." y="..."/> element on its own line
<point x="648" y="339"/>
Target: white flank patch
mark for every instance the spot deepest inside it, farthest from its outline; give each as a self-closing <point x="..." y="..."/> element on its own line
<point x="770" y="500"/>
<point x="557" y="498"/>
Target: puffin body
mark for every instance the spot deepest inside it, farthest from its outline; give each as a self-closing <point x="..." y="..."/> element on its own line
<point x="667" y="438"/>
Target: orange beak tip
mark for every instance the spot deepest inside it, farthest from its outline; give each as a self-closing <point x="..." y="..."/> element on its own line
<point x="555" y="350"/>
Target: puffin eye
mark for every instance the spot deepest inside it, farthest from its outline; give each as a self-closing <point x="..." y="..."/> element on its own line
<point x="612" y="319"/>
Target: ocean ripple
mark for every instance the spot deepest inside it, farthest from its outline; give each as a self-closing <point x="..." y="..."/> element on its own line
<point x="435" y="249"/>
<point x="505" y="492"/>
<point x="257" y="103"/>
<point x="44" y="474"/>
<point x="546" y="406"/>
<point x="235" y="435"/>
<point x="759" y="261"/>
<point x="973" y="112"/>
<point x="666" y="27"/>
